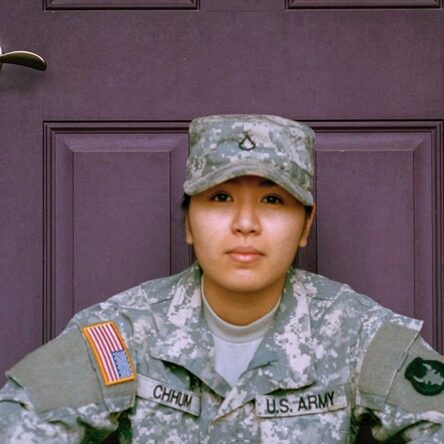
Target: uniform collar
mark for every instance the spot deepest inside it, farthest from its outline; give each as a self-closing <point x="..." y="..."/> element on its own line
<point x="284" y="359"/>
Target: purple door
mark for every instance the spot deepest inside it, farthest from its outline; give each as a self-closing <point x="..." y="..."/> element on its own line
<point x="92" y="150"/>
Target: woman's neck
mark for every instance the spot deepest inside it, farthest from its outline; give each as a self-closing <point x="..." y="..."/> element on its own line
<point x="242" y="308"/>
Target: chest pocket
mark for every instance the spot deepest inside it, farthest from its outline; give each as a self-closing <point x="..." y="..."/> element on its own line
<point x="164" y="411"/>
<point x="314" y="416"/>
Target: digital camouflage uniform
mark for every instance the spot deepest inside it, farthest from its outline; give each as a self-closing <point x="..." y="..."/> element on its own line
<point x="331" y="357"/>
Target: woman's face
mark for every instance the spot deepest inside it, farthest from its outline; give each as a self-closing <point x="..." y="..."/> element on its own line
<point x="245" y="233"/>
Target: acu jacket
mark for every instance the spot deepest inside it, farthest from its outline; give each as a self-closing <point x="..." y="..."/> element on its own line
<point x="331" y="358"/>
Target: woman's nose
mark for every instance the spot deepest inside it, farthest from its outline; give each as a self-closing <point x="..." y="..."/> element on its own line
<point x="246" y="219"/>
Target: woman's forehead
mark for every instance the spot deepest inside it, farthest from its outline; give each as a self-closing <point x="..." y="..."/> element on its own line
<point x="253" y="180"/>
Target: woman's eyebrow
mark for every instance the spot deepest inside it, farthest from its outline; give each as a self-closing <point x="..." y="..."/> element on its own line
<point x="267" y="183"/>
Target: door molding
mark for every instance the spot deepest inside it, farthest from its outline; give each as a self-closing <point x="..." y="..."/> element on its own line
<point x="121" y="4"/>
<point x="353" y="4"/>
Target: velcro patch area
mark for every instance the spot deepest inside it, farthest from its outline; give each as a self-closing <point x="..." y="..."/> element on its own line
<point x="401" y="370"/>
<point x="110" y="352"/>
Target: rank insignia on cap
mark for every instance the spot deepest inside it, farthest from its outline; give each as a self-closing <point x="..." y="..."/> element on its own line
<point x="247" y="143"/>
<point x="427" y="377"/>
<point x="110" y="351"/>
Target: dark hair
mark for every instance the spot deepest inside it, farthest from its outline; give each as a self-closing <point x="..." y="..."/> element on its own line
<point x="308" y="210"/>
<point x="185" y="204"/>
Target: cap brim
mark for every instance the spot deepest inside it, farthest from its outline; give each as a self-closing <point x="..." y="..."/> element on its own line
<point x="246" y="169"/>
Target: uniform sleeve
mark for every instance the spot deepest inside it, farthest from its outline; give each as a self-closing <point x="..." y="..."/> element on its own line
<point x="401" y="387"/>
<point x="56" y="394"/>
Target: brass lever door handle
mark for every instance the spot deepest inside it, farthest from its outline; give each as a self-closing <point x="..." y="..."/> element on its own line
<point x="24" y="58"/>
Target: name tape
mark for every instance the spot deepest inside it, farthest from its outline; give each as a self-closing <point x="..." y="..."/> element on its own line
<point x="164" y="394"/>
<point x="272" y="406"/>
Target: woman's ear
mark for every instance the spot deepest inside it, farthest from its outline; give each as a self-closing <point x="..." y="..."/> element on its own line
<point x="309" y="218"/>
<point x="188" y="235"/>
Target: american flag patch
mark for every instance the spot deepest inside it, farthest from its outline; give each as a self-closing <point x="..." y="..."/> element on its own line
<point x="110" y="352"/>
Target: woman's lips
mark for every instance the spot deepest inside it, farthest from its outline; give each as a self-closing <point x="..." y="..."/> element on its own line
<point x="244" y="254"/>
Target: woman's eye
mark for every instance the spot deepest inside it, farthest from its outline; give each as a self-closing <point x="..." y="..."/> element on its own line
<point x="272" y="199"/>
<point x="221" y="197"/>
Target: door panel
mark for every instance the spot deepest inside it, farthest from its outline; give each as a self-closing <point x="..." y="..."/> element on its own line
<point x="307" y="64"/>
<point x="375" y="200"/>
<point x="112" y="200"/>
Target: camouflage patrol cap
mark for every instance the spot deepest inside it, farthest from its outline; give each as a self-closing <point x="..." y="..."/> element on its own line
<point x="223" y="147"/>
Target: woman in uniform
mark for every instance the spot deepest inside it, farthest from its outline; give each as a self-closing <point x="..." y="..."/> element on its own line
<point x="240" y="347"/>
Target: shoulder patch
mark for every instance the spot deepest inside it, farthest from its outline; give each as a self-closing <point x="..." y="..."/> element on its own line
<point x="110" y="352"/>
<point x="426" y="376"/>
<point x="401" y="370"/>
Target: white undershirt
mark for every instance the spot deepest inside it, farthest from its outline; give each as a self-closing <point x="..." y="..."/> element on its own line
<point x="235" y="345"/>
